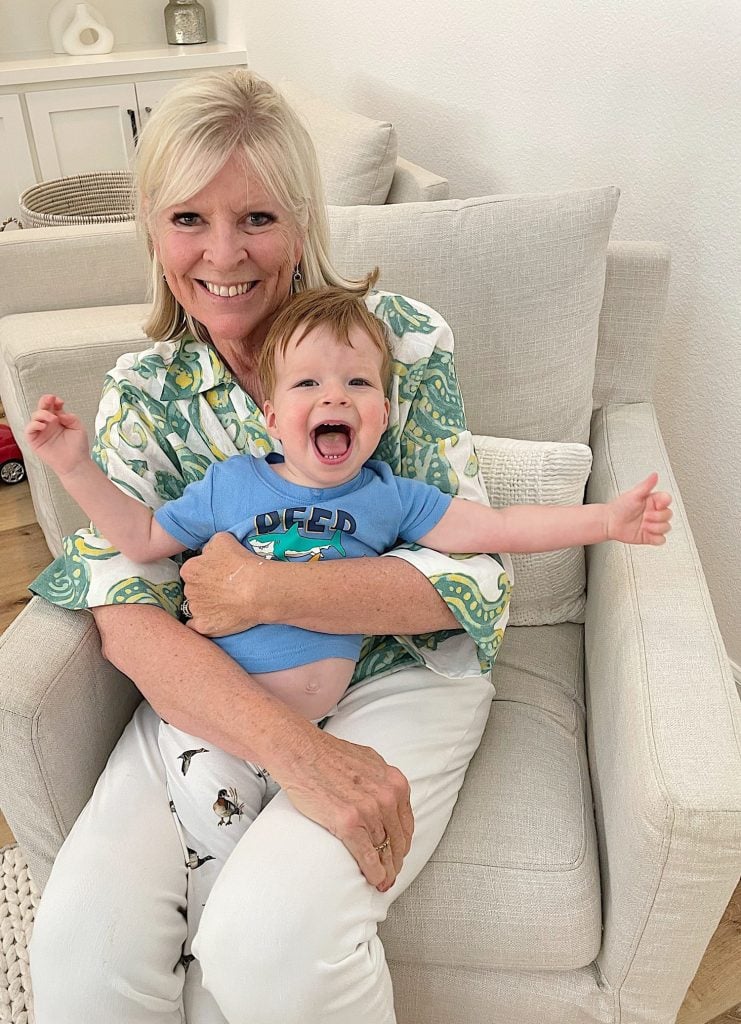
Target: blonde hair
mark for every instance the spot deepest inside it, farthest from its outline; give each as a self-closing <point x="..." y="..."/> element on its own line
<point x="335" y="308"/>
<point x="199" y="126"/>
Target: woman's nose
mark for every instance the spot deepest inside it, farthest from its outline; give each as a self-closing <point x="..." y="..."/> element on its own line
<point x="226" y="247"/>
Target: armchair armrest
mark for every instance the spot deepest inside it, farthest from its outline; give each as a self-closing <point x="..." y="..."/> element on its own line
<point x="664" y="734"/>
<point x="62" y="708"/>
<point x="413" y="184"/>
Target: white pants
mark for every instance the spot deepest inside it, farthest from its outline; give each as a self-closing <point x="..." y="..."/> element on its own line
<point x="288" y="933"/>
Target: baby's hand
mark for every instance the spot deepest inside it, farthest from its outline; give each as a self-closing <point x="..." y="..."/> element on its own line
<point x="640" y="515"/>
<point x="57" y="437"/>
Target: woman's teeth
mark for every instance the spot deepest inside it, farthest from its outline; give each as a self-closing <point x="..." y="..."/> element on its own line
<point x="228" y="291"/>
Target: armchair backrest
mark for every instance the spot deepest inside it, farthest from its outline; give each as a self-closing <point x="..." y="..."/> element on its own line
<point x="548" y="321"/>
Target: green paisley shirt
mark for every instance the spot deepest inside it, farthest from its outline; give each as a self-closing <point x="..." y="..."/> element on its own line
<point x="167" y="413"/>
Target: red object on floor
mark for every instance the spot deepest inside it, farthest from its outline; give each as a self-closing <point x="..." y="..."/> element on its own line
<point x="12" y="469"/>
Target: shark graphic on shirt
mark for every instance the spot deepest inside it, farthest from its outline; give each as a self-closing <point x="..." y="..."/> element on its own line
<point x="292" y="546"/>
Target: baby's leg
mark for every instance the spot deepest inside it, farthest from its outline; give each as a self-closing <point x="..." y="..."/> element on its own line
<point x="214" y="797"/>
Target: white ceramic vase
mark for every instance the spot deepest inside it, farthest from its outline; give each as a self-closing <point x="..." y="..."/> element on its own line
<point x="60" y="17"/>
<point x="73" y="41"/>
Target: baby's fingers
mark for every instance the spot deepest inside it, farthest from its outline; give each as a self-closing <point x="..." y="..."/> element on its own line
<point x="40" y="420"/>
<point x="661" y="499"/>
<point x="50" y="402"/>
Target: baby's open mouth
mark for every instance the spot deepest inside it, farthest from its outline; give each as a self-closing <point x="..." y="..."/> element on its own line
<point x="332" y="440"/>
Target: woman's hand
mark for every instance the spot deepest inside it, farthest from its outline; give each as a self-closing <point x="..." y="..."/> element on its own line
<point x="352" y="792"/>
<point x="223" y="587"/>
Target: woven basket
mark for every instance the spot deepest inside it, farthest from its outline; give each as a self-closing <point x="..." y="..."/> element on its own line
<point x="101" y="198"/>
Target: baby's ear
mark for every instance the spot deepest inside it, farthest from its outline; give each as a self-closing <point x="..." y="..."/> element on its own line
<point x="269" y="413"/>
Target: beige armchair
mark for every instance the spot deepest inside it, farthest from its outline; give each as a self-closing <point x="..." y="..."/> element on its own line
<point x="597" y="838"/>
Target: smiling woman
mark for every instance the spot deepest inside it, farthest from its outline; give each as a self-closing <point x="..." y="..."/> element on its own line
<point x="231" y="203"/>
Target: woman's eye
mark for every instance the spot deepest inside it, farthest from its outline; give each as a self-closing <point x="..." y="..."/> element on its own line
<point x="186" y="219"/>
<point x="260" y="220"/>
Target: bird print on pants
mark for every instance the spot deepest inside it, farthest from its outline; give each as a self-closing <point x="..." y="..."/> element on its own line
<point x="227" y="805"/>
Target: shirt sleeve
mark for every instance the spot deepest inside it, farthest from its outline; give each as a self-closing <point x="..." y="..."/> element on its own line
<point x="135" y="448"/>
<point x="190" y="518"/>
<point x="430" y="441"/>
<point x="422" y="507"/>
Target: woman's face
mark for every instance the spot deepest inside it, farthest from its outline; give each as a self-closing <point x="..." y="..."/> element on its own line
<point x="228" y="255"/>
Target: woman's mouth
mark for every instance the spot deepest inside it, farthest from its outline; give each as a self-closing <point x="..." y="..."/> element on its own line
<point x="228" y="291"/>
<point x="332" y="441"/>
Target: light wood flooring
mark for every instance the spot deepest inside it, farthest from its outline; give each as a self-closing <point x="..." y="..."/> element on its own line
<point x="717" y="985"/>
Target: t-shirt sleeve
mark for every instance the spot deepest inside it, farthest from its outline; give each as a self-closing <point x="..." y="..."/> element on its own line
<point x="422" y="507"/>
<point x="190" y="518"/>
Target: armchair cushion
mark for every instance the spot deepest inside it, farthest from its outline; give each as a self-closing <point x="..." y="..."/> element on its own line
<point x="514" y="882"/>
<point x="549" y="586"/>
<point x="520" y="280"/>
<point x="357" y="155"/>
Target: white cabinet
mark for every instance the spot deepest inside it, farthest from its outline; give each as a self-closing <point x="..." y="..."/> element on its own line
<point x="148" y="95"/>
<point x="81" y="130"/>
<point x="93" y="128"/>
<point x="16" y="167"/>
<point x="61" y="115"/>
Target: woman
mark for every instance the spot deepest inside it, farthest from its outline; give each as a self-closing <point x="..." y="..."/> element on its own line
<point x="231" y="204"/>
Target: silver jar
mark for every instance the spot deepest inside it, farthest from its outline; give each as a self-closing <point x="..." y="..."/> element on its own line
<point x="185" y="22"/>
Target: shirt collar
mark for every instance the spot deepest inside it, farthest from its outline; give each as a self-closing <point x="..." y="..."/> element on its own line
<point x="195" y="367"/>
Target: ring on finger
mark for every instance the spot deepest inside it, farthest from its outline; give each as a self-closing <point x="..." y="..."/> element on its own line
<point x="383" y="845"/>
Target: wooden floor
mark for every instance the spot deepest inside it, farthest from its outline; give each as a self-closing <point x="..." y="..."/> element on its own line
<point x="715" y="994"/>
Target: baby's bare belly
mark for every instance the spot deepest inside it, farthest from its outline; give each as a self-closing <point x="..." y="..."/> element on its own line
<point x="312" y="690"/>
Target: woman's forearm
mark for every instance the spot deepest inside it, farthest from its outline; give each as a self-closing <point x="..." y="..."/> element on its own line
<point x="374" y="596"/>
<point x="194" y="685"/>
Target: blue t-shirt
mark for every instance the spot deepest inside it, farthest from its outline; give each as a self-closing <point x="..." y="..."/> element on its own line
<point x="244" y="496"/>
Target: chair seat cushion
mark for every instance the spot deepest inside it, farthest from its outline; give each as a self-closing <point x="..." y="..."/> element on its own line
<point x="514" y="882"/>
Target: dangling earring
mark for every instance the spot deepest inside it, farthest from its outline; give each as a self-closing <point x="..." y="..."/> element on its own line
<point x="297" y="279"/>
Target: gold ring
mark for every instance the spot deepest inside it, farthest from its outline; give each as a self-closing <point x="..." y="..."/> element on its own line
<point x="383" y="846"/>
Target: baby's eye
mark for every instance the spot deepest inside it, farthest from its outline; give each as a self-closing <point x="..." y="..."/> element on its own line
<point x="308" y="383"/>
<point x="360" y="382"/>
<point x="185" y="218"/>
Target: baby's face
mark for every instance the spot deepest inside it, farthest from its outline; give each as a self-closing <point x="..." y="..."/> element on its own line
<point x="328" y="407"/>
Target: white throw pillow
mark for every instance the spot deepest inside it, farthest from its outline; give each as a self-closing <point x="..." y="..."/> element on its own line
<point x="357" y="155"/>
<point x="549" y="586"/>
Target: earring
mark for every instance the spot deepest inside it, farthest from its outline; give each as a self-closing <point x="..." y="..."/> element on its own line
<point x="297" y="279"/>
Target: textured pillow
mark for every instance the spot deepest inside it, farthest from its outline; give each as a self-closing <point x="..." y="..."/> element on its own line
<point x="549" y="586"/>
<point x="356" y="155"/>
<point x="520" y="280"/>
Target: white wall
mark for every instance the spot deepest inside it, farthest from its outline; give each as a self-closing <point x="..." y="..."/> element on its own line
<point x="519" y="95"/>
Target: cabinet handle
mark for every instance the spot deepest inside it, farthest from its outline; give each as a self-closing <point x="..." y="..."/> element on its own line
<point x="134" y="128"/>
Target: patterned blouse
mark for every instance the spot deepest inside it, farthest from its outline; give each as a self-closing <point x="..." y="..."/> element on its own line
<point x="168" y="412"/>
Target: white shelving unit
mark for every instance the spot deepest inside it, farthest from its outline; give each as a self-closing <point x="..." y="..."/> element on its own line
<point x="40" y="67"/>
<point x="63" y="115"/>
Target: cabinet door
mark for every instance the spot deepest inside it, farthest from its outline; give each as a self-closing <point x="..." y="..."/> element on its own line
<point x="149" y="94"/>
<point x="81" y="130"/>
<point x="16" y="167"/>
